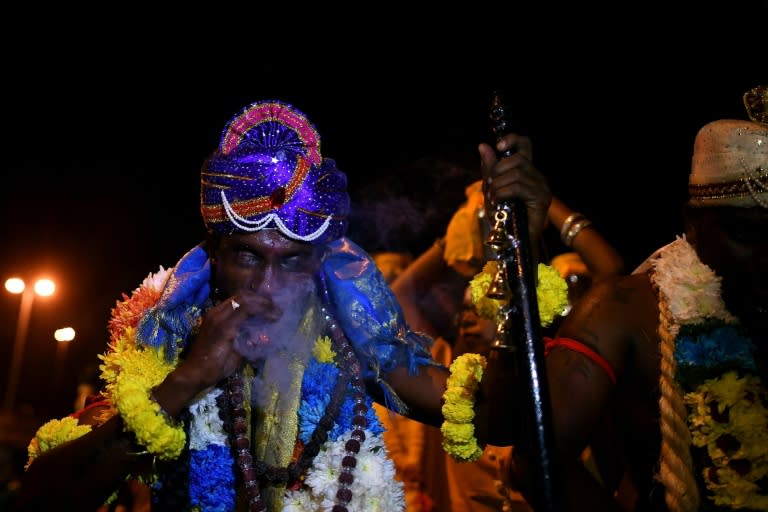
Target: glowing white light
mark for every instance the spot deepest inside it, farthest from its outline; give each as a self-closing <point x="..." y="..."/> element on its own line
<point x="64" y="334"/>
<point x="14" y="285"/>
<point x="44" y="287"/>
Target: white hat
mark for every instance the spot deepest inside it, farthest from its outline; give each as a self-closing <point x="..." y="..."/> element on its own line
<point x="730" y="159"/>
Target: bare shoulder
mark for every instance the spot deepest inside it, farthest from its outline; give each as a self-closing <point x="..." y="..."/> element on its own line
<point x="614" y="317"/>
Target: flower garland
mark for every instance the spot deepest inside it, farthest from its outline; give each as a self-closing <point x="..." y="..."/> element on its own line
<point x="53" y="434"/>
<point x="467" y="370"/>
<point x="130" y="374"/>
<point x="211" y="475"/>
<point x="315" y="396"/>
<point x="551" y="293"/>
<point x="459" y="407"/>
<point x="212" y="462"/>
<point x="727" y="415"/>
<point x="124" y="318"/>
<point x="131" y="371"/>
<point x="375" y="485"/>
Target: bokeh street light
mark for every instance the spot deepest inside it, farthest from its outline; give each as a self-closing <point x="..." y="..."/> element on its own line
<point x="44" y="288"/>
<point x="63" y="337"/>
<point x="65" y="334"/>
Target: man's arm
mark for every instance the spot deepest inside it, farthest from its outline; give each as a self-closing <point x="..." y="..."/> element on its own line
<point x="80" y="474"/>
<point x="513" y="177"/>
<point x="600" y="257"/>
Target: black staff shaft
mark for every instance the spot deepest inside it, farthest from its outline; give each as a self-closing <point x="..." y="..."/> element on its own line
<point x="523" y="338"/>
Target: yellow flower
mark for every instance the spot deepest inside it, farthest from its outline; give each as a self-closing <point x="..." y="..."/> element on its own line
<point x="457" y="410"/>
<point x="130" y="373"/>
<point x="53" y="434"/>
<point x="463" y="452"/>
<point x="322" y="350"/>
<point x="459" y="432"/>
<point x="745" y="423"/>
<point x="458" y="407"/>
<point x="551" y="293"/>
<point x="466" y="371"/>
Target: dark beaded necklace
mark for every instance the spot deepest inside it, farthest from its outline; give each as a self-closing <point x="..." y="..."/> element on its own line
<point x="359" y="422"/>
<point x="253" y="472"/>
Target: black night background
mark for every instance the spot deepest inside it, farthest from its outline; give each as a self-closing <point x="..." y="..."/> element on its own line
<point x="105" y="131"/>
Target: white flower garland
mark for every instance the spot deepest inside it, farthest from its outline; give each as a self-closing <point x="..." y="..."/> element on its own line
<point x="375" y="486"/>
<point x="206" y="427"/>
<point x="690" y="300"/>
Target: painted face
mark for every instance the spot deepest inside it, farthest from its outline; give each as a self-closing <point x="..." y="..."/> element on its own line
<point x="281" y="273"/>
<point x="264" y="262"/>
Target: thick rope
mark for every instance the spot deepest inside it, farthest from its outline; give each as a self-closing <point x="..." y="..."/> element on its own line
<point x="675" y="465"/>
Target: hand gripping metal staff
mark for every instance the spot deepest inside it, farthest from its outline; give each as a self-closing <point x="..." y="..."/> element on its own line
<point x="518" y="347"/>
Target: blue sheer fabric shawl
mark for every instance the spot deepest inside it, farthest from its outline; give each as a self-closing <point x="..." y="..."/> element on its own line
<point x="356" y="292"/>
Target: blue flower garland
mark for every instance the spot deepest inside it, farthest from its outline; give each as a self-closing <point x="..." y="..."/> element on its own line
<point x="206" y="479"/>
<point x="710" y="349"/>
<point x="212" y="479"/>
<point x="316" y="390"/>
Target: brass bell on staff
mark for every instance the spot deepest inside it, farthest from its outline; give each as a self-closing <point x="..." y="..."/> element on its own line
<point x="499" y="242"/>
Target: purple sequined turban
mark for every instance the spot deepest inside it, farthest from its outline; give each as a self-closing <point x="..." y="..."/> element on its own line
<point x="268" y="173"/>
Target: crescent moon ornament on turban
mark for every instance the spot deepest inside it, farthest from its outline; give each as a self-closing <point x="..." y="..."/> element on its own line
<point x="268" y="173"/>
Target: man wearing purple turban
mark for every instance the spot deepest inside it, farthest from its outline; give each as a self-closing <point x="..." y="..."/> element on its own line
<point x="242" y="378"/>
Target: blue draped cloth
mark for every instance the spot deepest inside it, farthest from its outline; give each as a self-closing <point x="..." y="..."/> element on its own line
<point x="360" y="298"/>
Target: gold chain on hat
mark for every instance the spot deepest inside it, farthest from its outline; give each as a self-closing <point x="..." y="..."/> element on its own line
<point x="756" y="103"/>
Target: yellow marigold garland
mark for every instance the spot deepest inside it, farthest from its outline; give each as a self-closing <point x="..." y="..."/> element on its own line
<point x="459" y="407"/>
<point x="551" y="293"/>
<point x="147" y="369"/>
<point x="741" y="418"/>
<point x="130" y="374"/>
<point x="53" y="434"/>
<point x="467" y="370"/>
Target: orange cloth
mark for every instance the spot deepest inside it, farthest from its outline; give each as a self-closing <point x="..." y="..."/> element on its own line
<point x="463" y="239"/>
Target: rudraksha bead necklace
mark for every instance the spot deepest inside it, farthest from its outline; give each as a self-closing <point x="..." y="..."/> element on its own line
<point x="349" y="375"/>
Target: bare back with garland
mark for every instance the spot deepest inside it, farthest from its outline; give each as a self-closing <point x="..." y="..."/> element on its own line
<point x="685" y="425"/>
